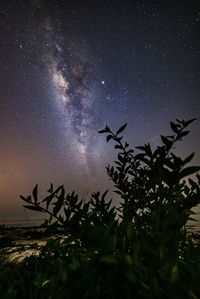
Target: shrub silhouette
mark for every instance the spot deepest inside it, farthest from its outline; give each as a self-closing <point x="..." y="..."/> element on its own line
<point x="139" y="250"/>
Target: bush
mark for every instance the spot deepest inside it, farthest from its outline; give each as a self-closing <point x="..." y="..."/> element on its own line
<point x="139" y="250"/>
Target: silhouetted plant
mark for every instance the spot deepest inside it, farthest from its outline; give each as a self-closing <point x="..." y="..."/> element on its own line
<point x="140" y="250"/>
<point x="156" y="199"/>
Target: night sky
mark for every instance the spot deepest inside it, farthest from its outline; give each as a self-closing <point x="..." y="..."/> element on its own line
<point x="67" y="68"/>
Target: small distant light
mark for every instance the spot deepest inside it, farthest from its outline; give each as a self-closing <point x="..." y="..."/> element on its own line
<point x="102" y="82"/>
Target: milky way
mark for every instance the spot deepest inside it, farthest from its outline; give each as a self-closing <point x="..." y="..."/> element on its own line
<point x="71" y="72"/>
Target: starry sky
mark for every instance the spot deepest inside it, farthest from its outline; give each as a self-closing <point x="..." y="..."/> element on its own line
<point x="67" y="68"/>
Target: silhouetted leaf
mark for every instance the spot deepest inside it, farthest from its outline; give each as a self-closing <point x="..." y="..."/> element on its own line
<point x="108" y="137"/>
<point x="143" y="148"/>
<point x="187" y="122"/>
<point x="174" y="127"/>
<point x="62" y="194"/>
<point x="179" y="121"/>
<point x="35" y="190"/>
<point x="188" y="159"/>
<point x="26" y="199"/>
<point x="117" y="146"/>
<point x="166" y="141"/>
<point x="57" y="207"/>
<point x="121" y="129"/>
<point x="120" y="158"/>
<point x="50" y="190"/>
<point x="79" y="204"/>
<point x="188" y="171"/>
<point x="103" y="196"/>
<point x="106" y="130"/>
<point x="148" y="149"/>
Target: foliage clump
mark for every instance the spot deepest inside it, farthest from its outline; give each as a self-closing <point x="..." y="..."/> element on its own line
<point x="139" y="250"/>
